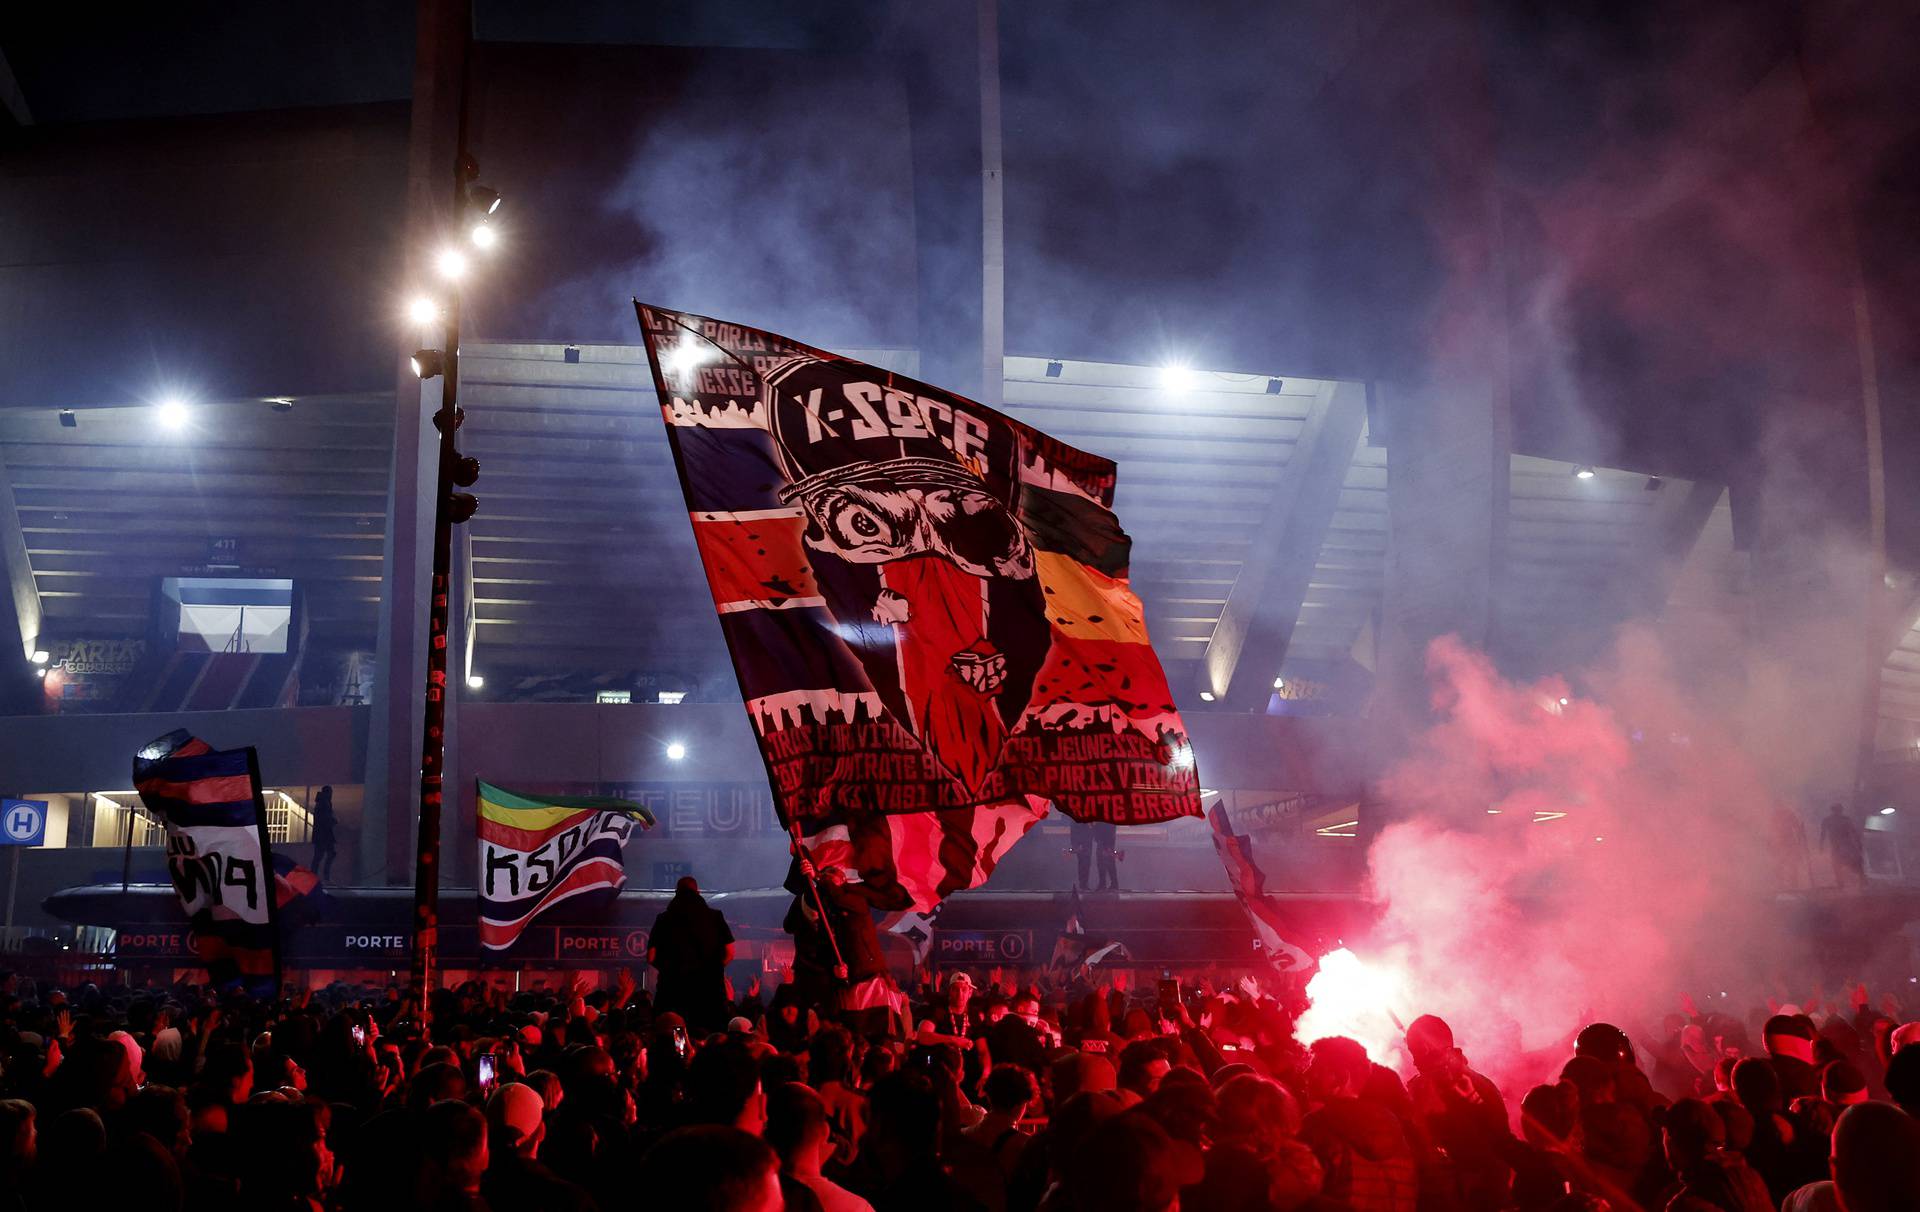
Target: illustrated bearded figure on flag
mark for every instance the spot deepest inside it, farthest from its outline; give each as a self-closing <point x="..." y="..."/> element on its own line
<point x="927" y="606"/>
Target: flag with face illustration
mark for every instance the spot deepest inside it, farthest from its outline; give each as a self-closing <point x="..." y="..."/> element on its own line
<point x="926" y="600"/>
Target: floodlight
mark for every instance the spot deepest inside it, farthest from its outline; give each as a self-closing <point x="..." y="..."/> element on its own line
<point x="422" y="310"/>
<point x="483" y="198"/>
<point x="1206" y="696"/>
<point x="172" y="412"/>
<point x="484" y="236"/>
<point x="1279" y="683"/>
<point x="676" y="751"/>
<point x="1889" y="810"/>
<point x="1583" y="473"/>
<point x="1176" y="376"/>
<point x="452" y="264"/>
<point x="475" y="681"/>
<point x="427" y="363"/>
<point x="41" y="656"/>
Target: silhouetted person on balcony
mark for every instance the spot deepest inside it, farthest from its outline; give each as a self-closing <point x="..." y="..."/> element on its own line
<point x="1840" y="837"/>
<point x="324" y="841"/>
<point x="1091" y="838"/>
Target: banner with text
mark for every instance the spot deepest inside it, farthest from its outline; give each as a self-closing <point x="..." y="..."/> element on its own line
<point x="210" y="805"/>
<point x="537" y="852"/>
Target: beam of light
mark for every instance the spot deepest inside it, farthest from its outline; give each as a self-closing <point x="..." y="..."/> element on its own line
<point x="1178" y="377"/>
<point x="422" y="310"/>
<point x="1355" y="998"/>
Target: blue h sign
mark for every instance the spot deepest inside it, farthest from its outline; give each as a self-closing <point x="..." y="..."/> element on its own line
<point x="23" y="822"/>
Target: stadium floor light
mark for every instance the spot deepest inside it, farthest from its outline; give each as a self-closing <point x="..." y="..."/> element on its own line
<point x="1583" y="473"/>
<point x="675" y="751"/>
<point x="427" y="363"/>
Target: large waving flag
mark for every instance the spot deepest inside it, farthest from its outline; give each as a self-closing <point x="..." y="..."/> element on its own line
<point x="1280" y="938"/>
<point x="208" y="800"/>
<point x="539" y="851"/>
<point x="926" y="601"/>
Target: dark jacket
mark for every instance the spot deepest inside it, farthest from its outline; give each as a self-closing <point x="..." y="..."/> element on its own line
<point x="1369" y="1163"/>
<point x="523" y="1185"/>
<point x="689" y="942"/>
<point x="1721" y="1181"/>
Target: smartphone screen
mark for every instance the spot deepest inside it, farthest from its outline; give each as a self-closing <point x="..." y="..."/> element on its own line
<point x="485" y="1071"/>
<point x="680" y="1040"/>
<point x="1169" y="995"/>
<point x="359" y="1035"/>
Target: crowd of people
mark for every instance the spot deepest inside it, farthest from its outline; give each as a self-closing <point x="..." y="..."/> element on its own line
<point x="1010" y="1095"/>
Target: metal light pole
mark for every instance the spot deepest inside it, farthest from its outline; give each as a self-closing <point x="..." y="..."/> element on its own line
<point x="449" y="509"/>
<point x="426" y="869"/>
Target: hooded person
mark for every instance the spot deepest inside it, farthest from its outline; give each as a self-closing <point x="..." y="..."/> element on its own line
<point x="1710" y="1177"/>
<point x="690" y="946"/>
